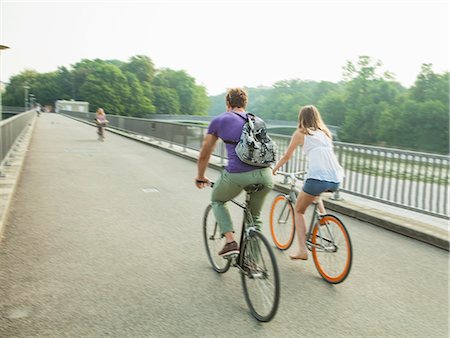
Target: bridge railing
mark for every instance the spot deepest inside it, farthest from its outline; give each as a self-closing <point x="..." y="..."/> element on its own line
<point x="10" y="130"/>
<point x="411" y="180"/>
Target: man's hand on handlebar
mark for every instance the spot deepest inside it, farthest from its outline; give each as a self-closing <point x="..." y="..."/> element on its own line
<point x="202" y="182"/>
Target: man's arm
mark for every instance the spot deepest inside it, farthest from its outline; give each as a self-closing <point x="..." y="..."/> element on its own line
<point x="209" y="143"/>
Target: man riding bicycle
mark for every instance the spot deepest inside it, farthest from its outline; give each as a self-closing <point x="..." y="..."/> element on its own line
<point x="237" y="174"/>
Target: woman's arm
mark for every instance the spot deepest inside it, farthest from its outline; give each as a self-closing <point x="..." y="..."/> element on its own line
<point x="297" y="139"/>
<point x="209" y="143"/>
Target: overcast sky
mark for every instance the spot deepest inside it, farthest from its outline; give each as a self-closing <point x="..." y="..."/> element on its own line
<point x="224" y="44"/>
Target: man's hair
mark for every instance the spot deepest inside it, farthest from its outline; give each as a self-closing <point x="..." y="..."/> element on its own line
<point x="237" y="98"/>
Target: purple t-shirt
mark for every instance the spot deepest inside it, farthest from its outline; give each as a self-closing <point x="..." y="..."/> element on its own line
<point x="228" y="127"/>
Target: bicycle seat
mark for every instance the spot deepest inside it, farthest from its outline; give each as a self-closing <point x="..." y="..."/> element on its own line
<point x="252" y="188"/>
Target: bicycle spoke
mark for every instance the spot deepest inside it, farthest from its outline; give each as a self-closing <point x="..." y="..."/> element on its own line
<point x="282" y="224"/>
<point x="261" y="280"/>
<point x="214" y="242"/>
<point x="331" y="249"/>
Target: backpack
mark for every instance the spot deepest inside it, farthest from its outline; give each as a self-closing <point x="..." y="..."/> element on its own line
<point x="255" y="147"/>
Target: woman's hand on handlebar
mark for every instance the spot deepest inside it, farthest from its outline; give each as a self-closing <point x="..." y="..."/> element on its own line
<point x="274" y="171"/>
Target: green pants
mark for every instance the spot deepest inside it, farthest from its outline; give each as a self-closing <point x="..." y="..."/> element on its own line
<point x="229" y="185"/>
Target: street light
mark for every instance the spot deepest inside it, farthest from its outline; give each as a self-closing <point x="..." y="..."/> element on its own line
<point x="2" y="47"/>
<point x="32" y="100"/>
<point x="26" y="87"/>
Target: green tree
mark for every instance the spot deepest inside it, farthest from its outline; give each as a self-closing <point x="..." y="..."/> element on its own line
<point x="47" y="88"/>
<point x="420" y="120"/>
<point x="201" y="102"/>
<point x="166" y="100"/>
<point x="15" y="91"/>
<point x="137" y="103"/>
<point x="141" y="66"/>
<point x="105" y="86"/>
<point x="367" y="94"/>
<point x="332" y="108"/>
<point x="192" y="100"/>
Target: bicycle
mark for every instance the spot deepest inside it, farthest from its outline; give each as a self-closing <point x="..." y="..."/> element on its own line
<point x="327" y="237"/>
<point x="101" y="129"/>
<point x="255" y="261"/>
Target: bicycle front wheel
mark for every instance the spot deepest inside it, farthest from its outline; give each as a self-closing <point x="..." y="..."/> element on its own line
<point x="214" y="242"/>
<point x="260" y="277"/>
<point x="282" y="222"/>
<point x="331" y="249"/>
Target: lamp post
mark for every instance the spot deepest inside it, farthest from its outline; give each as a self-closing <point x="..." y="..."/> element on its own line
<point x="32" y="100"/>
<point x="26" y="87"/>
<point x="2" y="47"/>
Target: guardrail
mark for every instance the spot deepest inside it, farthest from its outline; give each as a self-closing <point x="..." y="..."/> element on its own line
<point x="410" y="180"/>
<point x="7" y="112"/>
<point x="13" y="109"/>
<point x="10" y="130"/>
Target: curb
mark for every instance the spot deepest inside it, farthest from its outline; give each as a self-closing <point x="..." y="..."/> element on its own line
<point x="401" y="225"/>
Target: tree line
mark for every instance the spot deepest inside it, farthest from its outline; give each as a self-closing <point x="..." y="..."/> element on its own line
<point x="368" y="105"/>
<point x="133" y="88"/>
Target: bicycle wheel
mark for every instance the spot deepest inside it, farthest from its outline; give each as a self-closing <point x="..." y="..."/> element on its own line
<point x="260" y="277"/>
<point x="282" y="222"/>
<point x="214" y="242"/>
<point x="331" y="249"/>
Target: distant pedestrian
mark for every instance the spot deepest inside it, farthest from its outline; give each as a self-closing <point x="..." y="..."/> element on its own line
<point x="101" y="121"/>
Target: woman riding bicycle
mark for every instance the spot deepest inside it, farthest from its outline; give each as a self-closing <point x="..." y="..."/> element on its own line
<point x="101" y="121"/>
<point x="237" y="174"/>
<point x="324" y="172"/>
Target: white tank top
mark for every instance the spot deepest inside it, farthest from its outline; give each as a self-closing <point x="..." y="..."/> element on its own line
<point x="322" y="162"/>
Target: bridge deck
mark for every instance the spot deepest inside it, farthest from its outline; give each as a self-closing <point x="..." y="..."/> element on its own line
<point x="105" y="239"/>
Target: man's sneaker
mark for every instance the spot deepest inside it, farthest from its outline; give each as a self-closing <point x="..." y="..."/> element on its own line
<point x="229" y="249"/>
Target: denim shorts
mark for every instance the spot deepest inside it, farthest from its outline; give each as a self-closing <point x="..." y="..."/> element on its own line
<point x="316" y="187"/>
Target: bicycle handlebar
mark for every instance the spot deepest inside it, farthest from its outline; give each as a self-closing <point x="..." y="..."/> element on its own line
<point x="295" y="175"/>
<point x="210" y="183"/>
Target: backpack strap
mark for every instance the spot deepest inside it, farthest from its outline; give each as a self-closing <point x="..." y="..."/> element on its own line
<point x="246" y="118"/>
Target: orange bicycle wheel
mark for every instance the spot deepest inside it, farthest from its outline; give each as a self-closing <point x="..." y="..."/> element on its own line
<point x="331" y="249"/>
<point x="282" y="222"/>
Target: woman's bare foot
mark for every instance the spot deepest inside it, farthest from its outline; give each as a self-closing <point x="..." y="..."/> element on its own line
<point x="302" y="256"/>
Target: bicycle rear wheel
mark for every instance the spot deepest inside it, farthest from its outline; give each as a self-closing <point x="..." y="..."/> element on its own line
<point x="282" y="222"/>
<point x="260" y="277"/>
<point x="214" y="242"/>
<point x="331" y="249"/>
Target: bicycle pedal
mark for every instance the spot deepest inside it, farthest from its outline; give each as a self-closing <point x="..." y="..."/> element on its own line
<point x="230" y="257"/>
<point x="257" y="274"/>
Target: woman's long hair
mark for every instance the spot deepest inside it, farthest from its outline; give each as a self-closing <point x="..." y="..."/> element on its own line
<point x="309" y="119"/>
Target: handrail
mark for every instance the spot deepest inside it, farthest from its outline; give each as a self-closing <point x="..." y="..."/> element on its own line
<point x="10" y="130"/>
<point x="411" y="180"/>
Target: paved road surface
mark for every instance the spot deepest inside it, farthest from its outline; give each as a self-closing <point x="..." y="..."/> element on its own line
<point x="105" y="239"/>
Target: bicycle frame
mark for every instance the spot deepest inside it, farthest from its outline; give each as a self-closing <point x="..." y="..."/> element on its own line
<point x="248" y="225"/>
<point x="316" y="217"/>
<point x="326" y="243"/>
